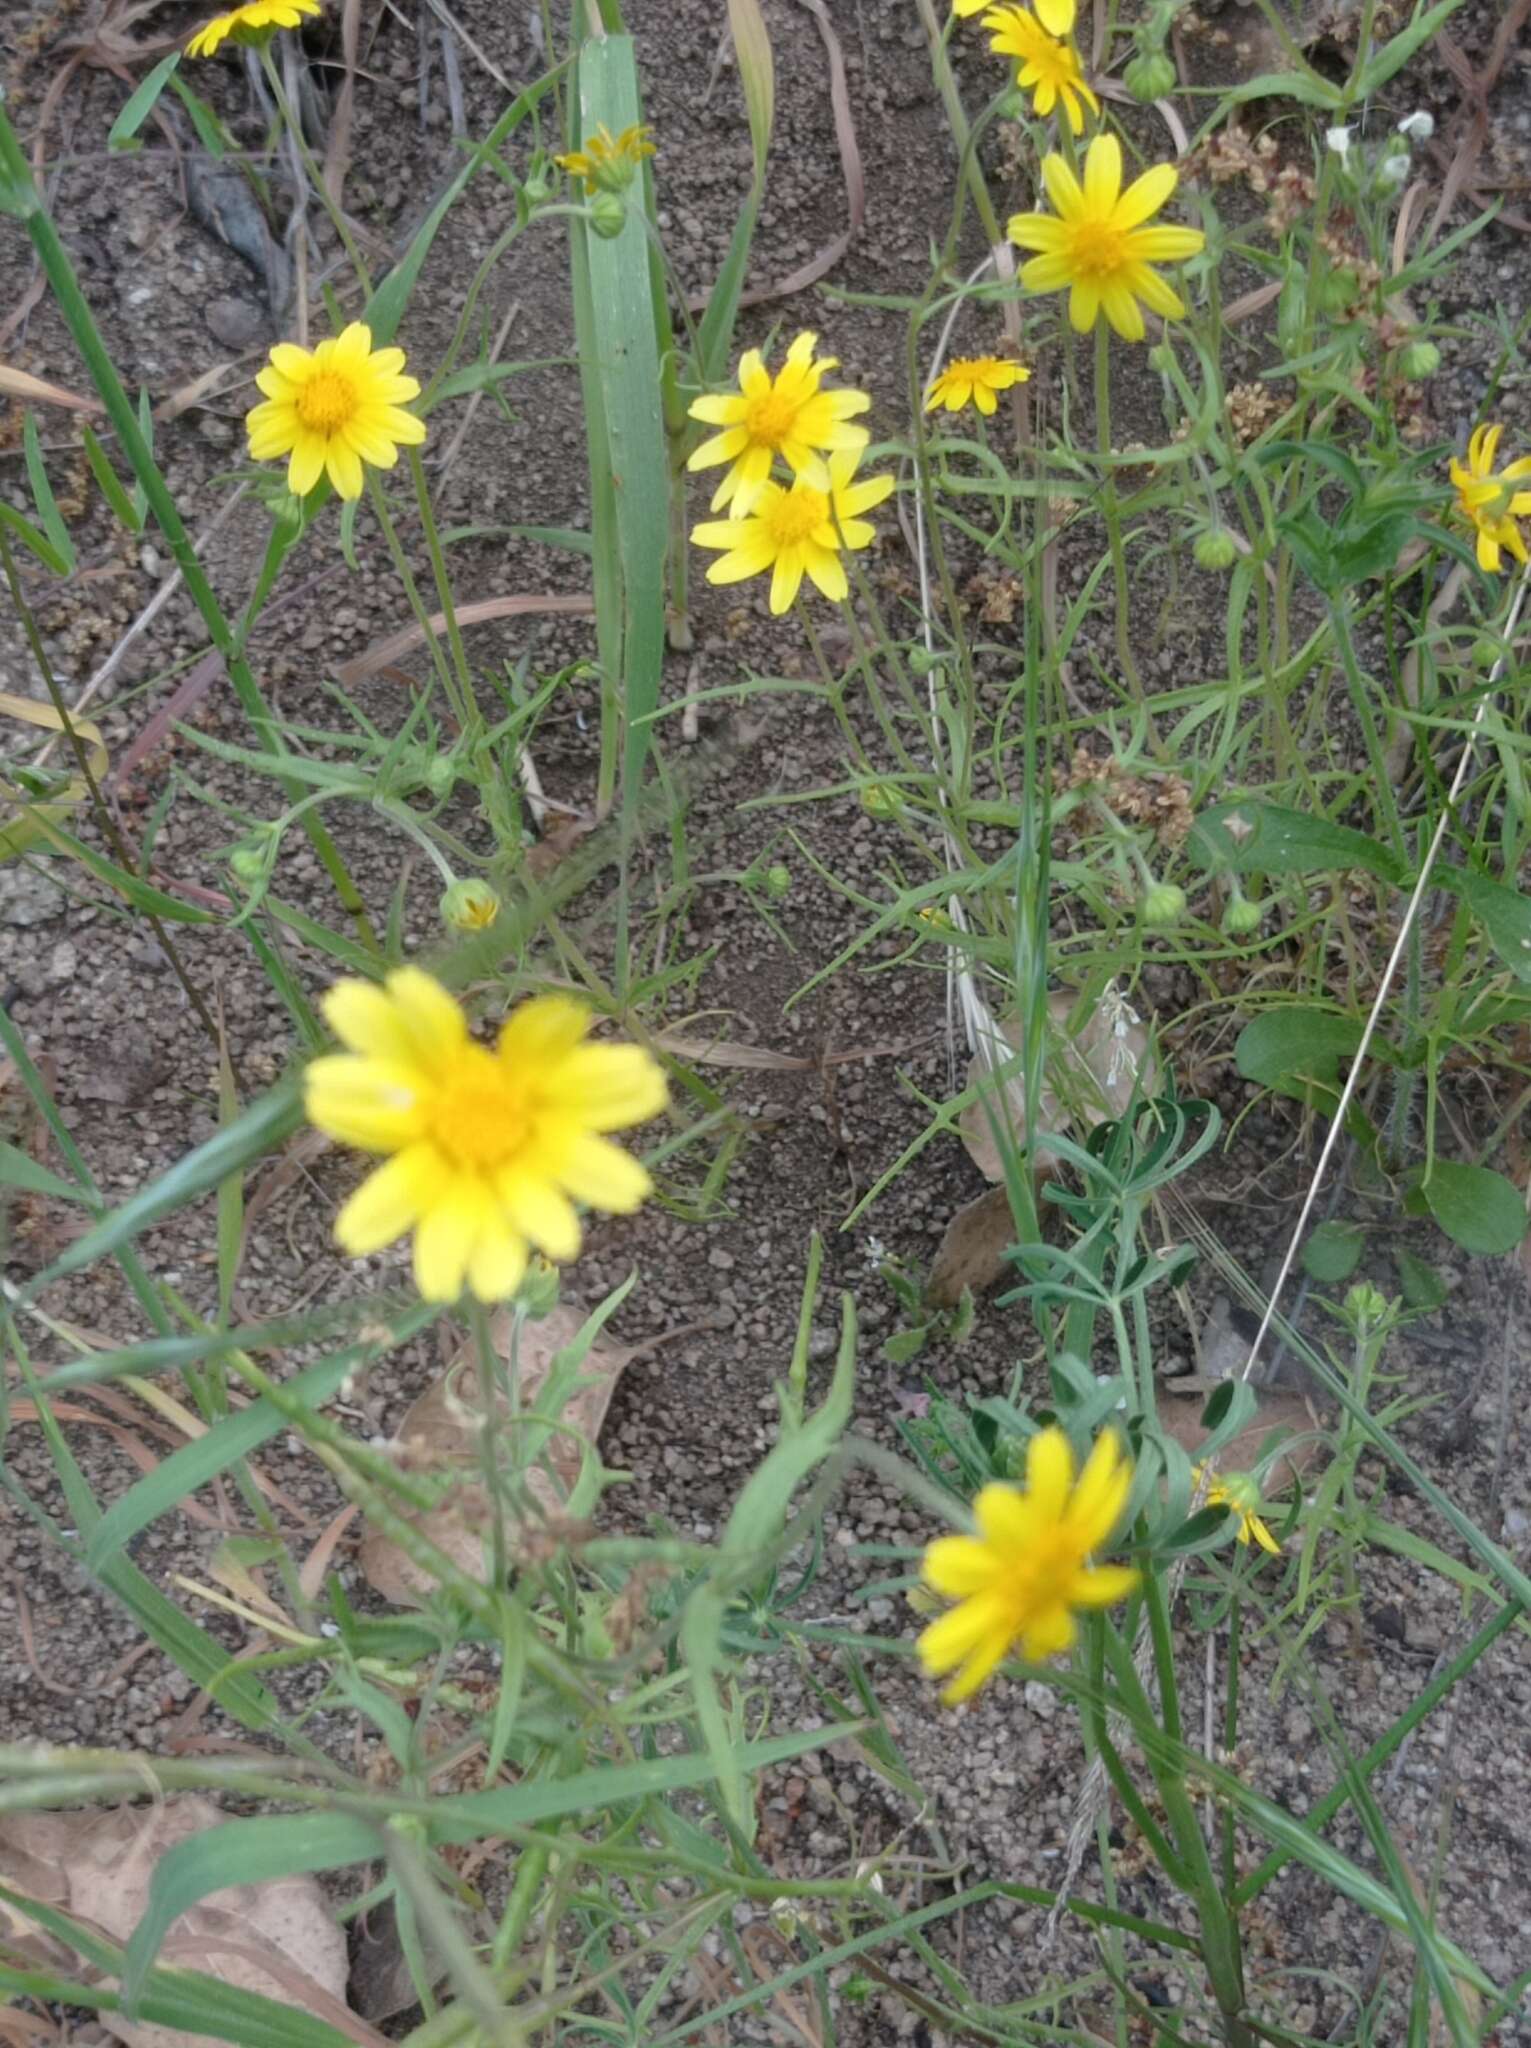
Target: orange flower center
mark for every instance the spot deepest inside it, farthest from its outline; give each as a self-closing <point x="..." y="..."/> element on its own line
<point x="481" y="1117"/>
<point x="326" y="402"/>
<point x="796" y="515"/>
<point x="1097" y="248"/>
<point x="769" y="418"/>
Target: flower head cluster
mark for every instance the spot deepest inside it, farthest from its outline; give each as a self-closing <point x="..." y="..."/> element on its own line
<point x="334" y="409"/>
<point x="254" y="22"/>
<point x="1098" y="243"/>
<point x="1022" y="1576"/>
<point x="974" y="380"/>
<point x="1488" y="499"/>
<point x="1046" y="63"/>
<point x="487" y="1152"/>
<point x="607" y="162"/>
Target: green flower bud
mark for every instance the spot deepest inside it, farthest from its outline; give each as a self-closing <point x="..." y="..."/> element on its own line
<point x="608" y="215"/>
<point x="1214" y="549"/>
<point x="922" y="661"/>
<point x="469" y="906"/>
<point x="778" y="882"/>
<point x="1242" y="917"/>
<point x="878" y="801"/>
<point x="1163" y="903"/>
<point x="1365" y="1307"/>
<point x="535" y="191"/>
<point x="1340" y="291"/>
<point x="248" y="862"/>
<point x="1014" y="106"/>
<point x="538" y="1292"/>
<point x="440" y="774"/>
<point x="1161" y="357"/>
<point x="1151" y="76"/>
<point x="1419" y="360"/>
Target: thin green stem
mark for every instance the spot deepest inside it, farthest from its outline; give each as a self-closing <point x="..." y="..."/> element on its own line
<point x="379" y="502"/>
<point x="468" y="706"/>
<point x="314" y="174"/>
<point x="1110" y="506"/>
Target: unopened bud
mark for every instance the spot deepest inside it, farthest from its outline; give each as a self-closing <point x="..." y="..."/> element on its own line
<point x="1419" y="360"/>
<point x="1242" y="917"/>
<point x="440" y="774"/>
<point x="1214" y="549"/>
<point x="1163" y="903"/>
<point x="1150" y="76"/>
<point x="469" y="906"/>
<point x="608" y="215"/>
<point x="778" y="882"/>
<point x="878" y="801"/>
<point x="538" y="1292"/>
<point x="248" y="861"/>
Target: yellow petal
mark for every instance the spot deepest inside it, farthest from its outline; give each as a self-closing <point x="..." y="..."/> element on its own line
<point x="434" y="1021"/>
<point x="1103" y="177"/>
<point x="392" y="1199"/>
<point x="498" y="1263"/>
<point x="447" y="1237"/>
<point x="1048" y="1633"/>
<point x="538" y="1211"/>
<point x="1145" y="196"/>
<point x="1006" y="1519"/>
<point x="607" y="1087"/>
<point x="374" y="1104"/>
<point x="957" y="1633"/>
<point x="367" y="1021"/>
<point x="602" y="1175"/>
<point x="958" y="1566"/>
<point x="1098" y="1499"/>
<point x="1049" y="1474"/>
<point x="980" y="1666"/>
<point x="545" y="1029"/>
<point x="1103" y="1586"/>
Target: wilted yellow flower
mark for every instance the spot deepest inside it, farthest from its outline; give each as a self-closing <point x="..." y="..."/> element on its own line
<point x="333" y="410"/>
<point x="607" y="162"/>
<point x="1097" y="243"/>
<point x="1046" y="63"/>
<point x="1489" y="500"/>
<point x="787" y="415"/>
<point x="249" y="23"/>
<point x="1238" y="1492"/>
<point x="798" y="532"/>
<point x="974" y="380"/>
<point x="489" y="1150"/>
<point x="1021" y="1577"/>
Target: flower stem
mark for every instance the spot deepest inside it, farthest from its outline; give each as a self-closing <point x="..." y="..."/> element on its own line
<point x="444" y="676"/>
<point x="469" y="710"/>
<point x="1110" y="505"/>
<point x="311" y="169"/>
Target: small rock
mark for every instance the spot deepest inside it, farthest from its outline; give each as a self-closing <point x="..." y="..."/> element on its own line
<point x="27" y="896"/>
<point x="236" y="322"/>
<point x="62" y="962"/>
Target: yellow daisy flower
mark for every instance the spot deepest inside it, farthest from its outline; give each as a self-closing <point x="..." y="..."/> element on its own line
<point x="1046" y="63"/>
<point x="1021" y="1577"/>
<point x="1056" y="16"/>
<point x="786" y="415"/>
<point x="798" y="532"/>
<point x="248" y="23"/>
<point x="1099" y="245"/>
<point x="607" y="163"/>
<point x="973" y="380"/>
<point x="489" y="1151"/>
<point x="333" y="410"/>
<point x="1489" y="500"/>
<point x="1238" y="1492"/>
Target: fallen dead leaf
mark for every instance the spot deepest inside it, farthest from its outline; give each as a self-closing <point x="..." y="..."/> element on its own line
<point x="1099" y="1083"/>
<point x="972" y="1252"/>
<point x="440" y="1433"/>
<point x="1181" y="1419"/>
<point x="276" y="1938"/>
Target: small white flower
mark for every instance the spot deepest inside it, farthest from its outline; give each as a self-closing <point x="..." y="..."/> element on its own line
<point x="1338" y="139"/>
<point x="1121" y="1016"/>
<point x="1393" y="170"/>
<point x="1418" y="126"/>
<point x="876" y="1252"/>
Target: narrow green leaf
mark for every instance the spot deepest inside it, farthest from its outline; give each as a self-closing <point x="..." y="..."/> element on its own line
<point x="210" y="130"/>
<point x="30" y="538"/>
<point x="1421" y="1286"/>
<point x="264" y="1124"/>
<point x="19" y="1170"/>
<point x="1397" y="51"/>
<point x="1504" y="913"/>
<point x="42" y="494"/>
<point x="141" y="894"/>
<point x="110" y="484"/>
<point x="1306" y="87"/>
<point x="124" y="130"/>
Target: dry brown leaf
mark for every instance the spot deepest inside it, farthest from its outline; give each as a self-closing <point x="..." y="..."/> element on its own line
<point x="441" y="1433"/>
<point x="972" y="1252"/>
<point x="277" y="1938"/>
<point x="1181" y="1419"/>
<point x="22" y="384"/>
<point x="1100" y="1083"/>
